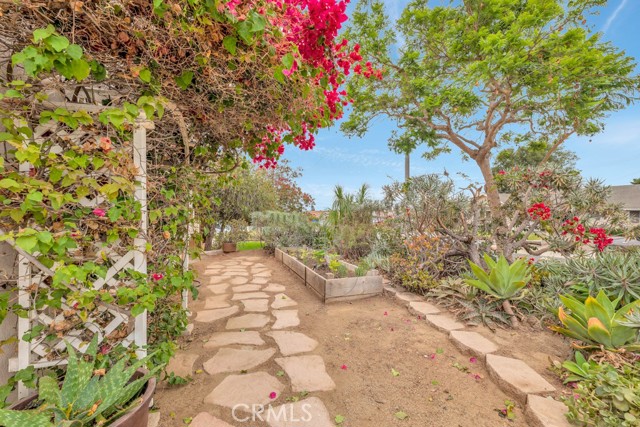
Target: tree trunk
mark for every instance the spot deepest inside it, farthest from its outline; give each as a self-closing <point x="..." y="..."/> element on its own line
<point x="508" y="308"/>
<point x="208" y="241"/>
<point x="407" y="168"/>
<point x="490" y="188"/>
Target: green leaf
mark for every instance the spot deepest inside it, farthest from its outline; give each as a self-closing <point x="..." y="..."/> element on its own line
<point x="74" y="51"/>
<point x="401" y="415"/>
<point x="58" y="43"/>
<point x="184" y="80"/>
<point x="80" y="69"/>
<point x="28" y="243"/>
<point x="230" y="44"/>
<point x="145" y="75"/>
<point x="9" y="184"/>
<point x="339" y="419"/>
<point x="287" y="61"/>
<point x="25" y="418"/>
<point x="49" y="391"/>
<point x="394" y="372"/>
<point x="43" y="33"/>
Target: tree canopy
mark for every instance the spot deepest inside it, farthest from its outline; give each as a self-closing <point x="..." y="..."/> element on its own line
<point x="482" y="74"/>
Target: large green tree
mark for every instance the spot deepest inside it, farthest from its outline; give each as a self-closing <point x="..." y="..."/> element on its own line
<point x="481" y="74"/>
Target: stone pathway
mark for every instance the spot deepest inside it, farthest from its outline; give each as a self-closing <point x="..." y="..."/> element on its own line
<point x="252" y="321"/>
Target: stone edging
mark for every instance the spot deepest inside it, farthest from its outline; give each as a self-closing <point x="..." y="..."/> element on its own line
<point x="513" y="376"/>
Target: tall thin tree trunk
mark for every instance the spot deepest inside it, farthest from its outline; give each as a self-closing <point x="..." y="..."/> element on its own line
<point x="407" y="171"/>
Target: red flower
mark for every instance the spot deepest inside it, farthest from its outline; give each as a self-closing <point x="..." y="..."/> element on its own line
<point x="501" y="172"/>
<point x="473" y="360"/>
<point x="99" y="212"/>
<point x="600" y="239"/>
<point x="343" y="367"/>
<point x="539" y="211"/>
<point x="273" y="395"/>
<point x="157" y="276"/>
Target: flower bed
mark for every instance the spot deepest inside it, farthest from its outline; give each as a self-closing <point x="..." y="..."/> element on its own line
<point x="332" y="289"/>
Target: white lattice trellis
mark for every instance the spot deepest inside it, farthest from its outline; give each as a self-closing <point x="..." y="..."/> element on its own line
<point x="106" y="320"/>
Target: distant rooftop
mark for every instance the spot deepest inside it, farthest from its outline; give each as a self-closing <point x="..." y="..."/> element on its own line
<point x="626" y="195"/>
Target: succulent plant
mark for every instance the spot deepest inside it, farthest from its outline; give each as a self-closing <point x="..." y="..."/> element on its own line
<point x="596" y="322"/>
<point x="504" y="280"/>
<point x="87" y="396"/>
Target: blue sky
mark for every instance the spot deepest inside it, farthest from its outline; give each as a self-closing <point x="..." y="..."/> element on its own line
<point x="613" y="155"/>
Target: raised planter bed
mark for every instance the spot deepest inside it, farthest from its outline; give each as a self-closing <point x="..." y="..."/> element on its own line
<point x="333" y="290"/>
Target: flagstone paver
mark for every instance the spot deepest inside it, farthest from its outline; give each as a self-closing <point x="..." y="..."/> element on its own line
<point x="233" y="360"/>
<point x="249" y="295"/>
<point x="246" y="288"/>
<point x="182" y="364"/>
<point x="274" y="287"/>
<point x="282" y="301"/>
<point x="206" y="316"/>
<point x="246" y="390"/>
<point x="240" y="291"/>
<point x="285" y="319"/>
<point x="221" y="339"/>
<point x="256" y="305"/>
<point x="310" y="412"/>
<point x="517" y="377"/>
<point x="218" y="289"/>
<point x="248" y="321"/>
<point x="307" y="373"/>
<point x="205" y="419"/>
<point x="290" y="342"/>
<point x="218" y="301"/>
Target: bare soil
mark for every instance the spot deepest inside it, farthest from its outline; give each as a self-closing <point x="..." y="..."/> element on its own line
<point x="373" y="338"/>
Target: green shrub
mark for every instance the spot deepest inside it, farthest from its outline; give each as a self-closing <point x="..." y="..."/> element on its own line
<point x="615" y="272"/>
<point x="605" y="395"/>
<point x="421" y="264"/>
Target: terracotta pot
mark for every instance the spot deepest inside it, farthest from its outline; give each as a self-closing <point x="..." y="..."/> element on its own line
<point x="229" y="247"/>
<point x="136" y="417"/>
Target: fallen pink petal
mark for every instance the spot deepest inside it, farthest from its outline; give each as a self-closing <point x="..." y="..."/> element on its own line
<point x="473" y="360"/>
<point x="343" y="367"/>
<point x="273" y="395"/>
<point x="386" y="314"/>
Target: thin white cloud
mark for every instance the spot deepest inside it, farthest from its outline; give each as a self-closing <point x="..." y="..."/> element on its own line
<point x="614" y="15"/>
<point x="368" y="158"/>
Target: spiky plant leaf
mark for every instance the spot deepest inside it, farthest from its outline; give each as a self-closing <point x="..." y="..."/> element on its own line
<point x="11" y="418"/>
<point x="79" y="373"/>
<point x="49" y="391"/>
<point x="599" y="332"/>
<point x="88" y="397"/>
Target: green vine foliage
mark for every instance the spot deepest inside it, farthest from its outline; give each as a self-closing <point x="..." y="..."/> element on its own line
<point x="45" y="214"/>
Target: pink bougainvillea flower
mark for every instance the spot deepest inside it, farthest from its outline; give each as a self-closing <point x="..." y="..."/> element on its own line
<point x="476" y="377"/>
<point x="343" y="367"/>
<point x="273" y="395"/>
<point x="432" y="356"/>
<point x="99" y="212"/>
<point x="385" y="314"/>
<point x="419" y="317"/>
<point x="473" y="360"/>
<point x="157" y="276"/>
<point x="104" y="349"/>
<point x="501" y="172"/>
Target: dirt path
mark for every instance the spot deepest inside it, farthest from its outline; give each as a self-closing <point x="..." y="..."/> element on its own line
<point x="368" y="361"/>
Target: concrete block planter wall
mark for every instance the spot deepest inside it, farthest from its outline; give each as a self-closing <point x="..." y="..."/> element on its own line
<point x="333" y="290"/>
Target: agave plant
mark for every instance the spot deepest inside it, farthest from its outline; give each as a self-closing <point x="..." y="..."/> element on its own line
<point x="503" y="281"/>
<point x="87" y="397"/>
<point x="597" y="323"/>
